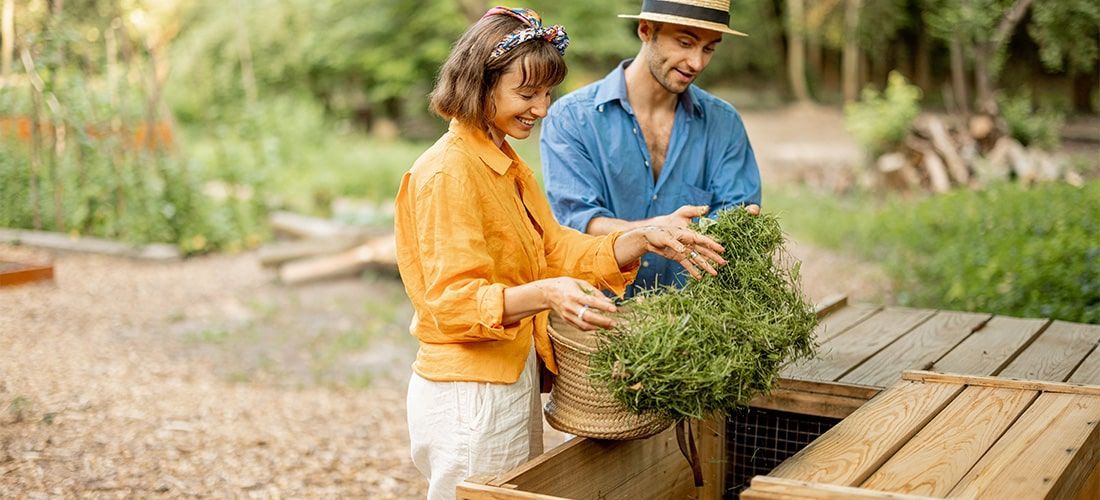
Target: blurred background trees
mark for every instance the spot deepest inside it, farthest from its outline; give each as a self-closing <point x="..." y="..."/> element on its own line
<point x="187" y="121"/>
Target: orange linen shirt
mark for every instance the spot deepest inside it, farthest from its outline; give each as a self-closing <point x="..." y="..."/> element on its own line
<point x="470" y="221"/>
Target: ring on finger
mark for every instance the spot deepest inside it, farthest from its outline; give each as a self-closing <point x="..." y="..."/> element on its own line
<point x="693" y="254"/>
<point x="580" y="314"/>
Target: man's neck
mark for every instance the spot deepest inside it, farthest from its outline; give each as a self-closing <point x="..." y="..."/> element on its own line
<point x="646" y="95"/>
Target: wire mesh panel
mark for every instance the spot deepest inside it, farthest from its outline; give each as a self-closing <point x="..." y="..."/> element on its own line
<point x="759" y="440"/>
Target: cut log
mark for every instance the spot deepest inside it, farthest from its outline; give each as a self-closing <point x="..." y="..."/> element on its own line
<point x="82" y="244"/>
<point x="931" y="163"/>
<point x="280" y="252"/>
<point x="981" y="126"/>
<point x="945" y="147"/>
<point x="1021" y="162"/>
<point x="381" y="251"/>
<point x="897" y="171"/>
<point x="305" y="226"/>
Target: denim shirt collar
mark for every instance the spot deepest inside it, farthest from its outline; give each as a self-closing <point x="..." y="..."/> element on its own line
<point x="613" y="87"/>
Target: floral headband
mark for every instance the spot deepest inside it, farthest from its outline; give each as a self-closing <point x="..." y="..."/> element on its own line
<point x="554" y="34"/>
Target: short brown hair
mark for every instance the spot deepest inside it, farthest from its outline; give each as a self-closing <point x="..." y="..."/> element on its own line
<point x="466" y="81"/>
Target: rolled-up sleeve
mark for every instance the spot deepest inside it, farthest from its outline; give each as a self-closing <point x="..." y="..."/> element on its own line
<point x="736" y="176"/>
<point x="572" y="179"/>
<point x="462" y="303"/>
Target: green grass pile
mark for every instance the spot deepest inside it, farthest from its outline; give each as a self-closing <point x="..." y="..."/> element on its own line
<point x="719" y="341"/>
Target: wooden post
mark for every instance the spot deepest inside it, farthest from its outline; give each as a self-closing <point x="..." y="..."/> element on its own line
<point x="796" y="50"/>
<point x="7" y="39"/>
<point x="851" y="50"/>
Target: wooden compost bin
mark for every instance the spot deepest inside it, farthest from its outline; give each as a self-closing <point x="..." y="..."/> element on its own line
<point x="863" y="349"/>
<point x="953" y="436"/>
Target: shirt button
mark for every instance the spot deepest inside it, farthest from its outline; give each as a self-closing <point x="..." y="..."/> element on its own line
<point x="645" y="263"/>
<point x="654" y="197"/>
<point x="635" y="131"/>
<point x="647" y="163"/>
<point x="599" y="108"/>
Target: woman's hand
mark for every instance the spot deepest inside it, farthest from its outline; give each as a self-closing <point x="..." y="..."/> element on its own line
<point x="692" y="250"/>
<point x="578" y="302"/>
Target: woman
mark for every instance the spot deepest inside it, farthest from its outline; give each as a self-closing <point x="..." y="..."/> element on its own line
<point x="484" y="261"/>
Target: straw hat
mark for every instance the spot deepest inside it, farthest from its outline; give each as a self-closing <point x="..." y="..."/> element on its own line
<point x="707" y="14"/>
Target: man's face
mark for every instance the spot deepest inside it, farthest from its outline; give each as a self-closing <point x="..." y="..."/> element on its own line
<point x="677" y="54"/>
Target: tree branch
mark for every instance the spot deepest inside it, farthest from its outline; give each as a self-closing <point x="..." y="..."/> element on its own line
<point x="1008" y="23"/>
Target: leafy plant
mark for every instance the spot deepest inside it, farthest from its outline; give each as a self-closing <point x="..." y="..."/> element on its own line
<point x="1031" y="126"/>
<point x="719" y="341"/>
<point x="879" y="121"/>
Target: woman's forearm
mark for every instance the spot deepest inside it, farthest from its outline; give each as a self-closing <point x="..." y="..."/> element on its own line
<point x="522" y="301"/>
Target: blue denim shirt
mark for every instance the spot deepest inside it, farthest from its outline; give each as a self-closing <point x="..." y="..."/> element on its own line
<point x="596" y="164"/>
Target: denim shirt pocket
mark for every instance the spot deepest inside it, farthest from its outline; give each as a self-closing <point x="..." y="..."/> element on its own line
<point x="692" y="195"/>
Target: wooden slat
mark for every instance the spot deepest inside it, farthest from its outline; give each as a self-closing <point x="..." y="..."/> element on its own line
<point x="840" y="321"/>
<point x="1003" y="382"/>
<point x="834" y="324"/>
<point x="1055" y="354"/>
<point x="847" y="350"/>
<point x="1089" y="370"/>
<point x="474" y="491"/>
<point x="856" y="447"/>
<point x="934" y="461"/>
<point x="991" y="348"/>
<point x="710" y="435"/>
<point x="766" y="487"/>
<point x="603" y="465"/>
<point x="669" y="478"/>
<point x="918" y="349"/>
<point x="809" y="403"/>
<point x="830" y="305"/>
<point x="863" y="392"/>
<point x="1048" y="453"/>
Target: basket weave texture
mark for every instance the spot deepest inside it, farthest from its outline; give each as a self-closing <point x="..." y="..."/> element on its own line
<point x="576" y="406"/>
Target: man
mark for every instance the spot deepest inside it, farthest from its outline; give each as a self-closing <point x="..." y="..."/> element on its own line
<point x="644" y="146"/>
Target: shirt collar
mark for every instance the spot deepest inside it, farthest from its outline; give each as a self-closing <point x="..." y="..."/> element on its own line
<point x="480" y="144"/>
<point x="613" y="87"/>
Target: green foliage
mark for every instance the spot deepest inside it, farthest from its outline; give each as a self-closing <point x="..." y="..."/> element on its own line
<point x="1031" y="252"/>
<point x="1029" y="125"/>
<point x="1068" y="33"/>
<point x="880" y="121"/>
<point x="719" y="341"/>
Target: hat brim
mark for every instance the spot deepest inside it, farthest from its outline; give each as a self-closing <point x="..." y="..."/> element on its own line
<point x="686" y="21"/>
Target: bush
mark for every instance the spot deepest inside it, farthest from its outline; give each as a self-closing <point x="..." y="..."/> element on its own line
<point x="1007" y="250"/>
<point x="1030" y="126"/>
<point x="880" y="121"/>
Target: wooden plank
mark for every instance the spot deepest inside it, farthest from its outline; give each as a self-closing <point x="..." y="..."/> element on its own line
<point x="12" y="273"/>
<point x="934" y="461"/>
<point x="830" y="305"/>
<point x="1048" y="453"/>
<point x="306" y="226"/>
<point x="918" y="349"/>
<point x="84" y="244"/>
<point x="1005" y="382"/>
<point x="279" y="252"/>
<point x="992" y="347"/>
<point x="1089" y="370"/>
<point x="809" y="403"/>
<point x="381" y="251"/>
<point x="858" y="391"/>
<point x="1055" y="354"/>
<point x="846" y="351"/>
<point x="710" y="435"/>
<point x="604" y="465"/>
<point x="473" y="491"/>
<point x="1091" y="489"/>
<point x="856" y="447"/>
<point x="767" y="487"/>
<point x="669" y="478"/>
<point x="840" y="321"/>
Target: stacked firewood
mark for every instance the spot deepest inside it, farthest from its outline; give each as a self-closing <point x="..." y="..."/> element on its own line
<point x="937" y="156"/>
<point x="313" y="249"/>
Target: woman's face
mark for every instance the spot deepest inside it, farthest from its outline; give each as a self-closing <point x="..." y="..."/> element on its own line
<point x="517" y="107"/>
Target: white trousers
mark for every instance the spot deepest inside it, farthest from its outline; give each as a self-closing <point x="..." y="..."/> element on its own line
<point x="460" y="429"/>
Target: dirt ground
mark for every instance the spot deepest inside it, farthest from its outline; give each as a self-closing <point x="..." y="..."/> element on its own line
<point x="207" y="378"/>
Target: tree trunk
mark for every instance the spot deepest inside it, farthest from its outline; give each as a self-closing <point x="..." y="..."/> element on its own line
<point x="984" y="79"/>
<point x="922" y="65"/>
<point x="472" y="9"/>
<point x="851" y="50"/>
<point x="7" y="38"/>
<point x="958" y="77"/>
<point x="796" y="50"/>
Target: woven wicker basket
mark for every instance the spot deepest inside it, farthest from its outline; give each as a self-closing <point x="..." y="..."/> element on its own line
<point x="576" y="407"/>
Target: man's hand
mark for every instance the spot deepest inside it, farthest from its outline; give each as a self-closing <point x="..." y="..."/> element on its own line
<point x="682" y="216"/>
<point x="753" y="209"/>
